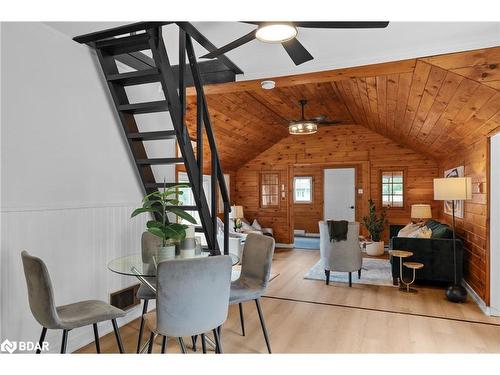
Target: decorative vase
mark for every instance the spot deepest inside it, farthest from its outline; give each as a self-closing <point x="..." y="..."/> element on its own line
<point x="188" y="244"/>
<point x="166" y="252"/>
<point x="375" y="248"/>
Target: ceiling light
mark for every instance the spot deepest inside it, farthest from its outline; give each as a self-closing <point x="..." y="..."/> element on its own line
<point x="268" y="85"/>
<point x="303" y="127"/>
<point x="276" y="33"/>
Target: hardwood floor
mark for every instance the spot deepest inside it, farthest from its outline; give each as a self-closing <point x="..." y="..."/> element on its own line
<point x="306" y="316"/>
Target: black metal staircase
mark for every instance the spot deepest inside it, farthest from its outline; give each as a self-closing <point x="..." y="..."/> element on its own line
<point x="131" y="39"/>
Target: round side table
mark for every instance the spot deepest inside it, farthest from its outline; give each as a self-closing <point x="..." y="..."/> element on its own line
<point x="401" y="254"/>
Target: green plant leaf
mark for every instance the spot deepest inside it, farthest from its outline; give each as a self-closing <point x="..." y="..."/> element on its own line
<point x="175" y="231"/>
<point x="182" y="214"/>
<point x="142" y="210"/>
<point x="154" y="224"/>
<point x="157" y="232"/>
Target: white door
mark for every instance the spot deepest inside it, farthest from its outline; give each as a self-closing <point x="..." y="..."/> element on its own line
<point x="339" y="197"/>
<point x="495" y="223"/>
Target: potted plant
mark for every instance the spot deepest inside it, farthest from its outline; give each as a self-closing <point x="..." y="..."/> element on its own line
<point x="375" y="226"/>
<point x="160" y="203"/>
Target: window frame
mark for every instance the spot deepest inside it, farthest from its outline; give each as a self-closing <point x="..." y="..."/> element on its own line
<point x="278" y="194"/>
<point x="311" y="179"/>
<point x="381" y="185"/>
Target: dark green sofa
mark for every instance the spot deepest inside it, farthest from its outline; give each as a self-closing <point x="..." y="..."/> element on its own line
<point x="436" y="253"/>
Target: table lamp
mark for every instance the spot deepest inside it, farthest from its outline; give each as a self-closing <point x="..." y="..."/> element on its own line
<point x="446" y="189"/>
<point x="421" y="212"/>
<point x="236" y="214"/>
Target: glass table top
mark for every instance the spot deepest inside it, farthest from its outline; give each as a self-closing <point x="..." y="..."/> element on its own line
<point x="145" y="266"/>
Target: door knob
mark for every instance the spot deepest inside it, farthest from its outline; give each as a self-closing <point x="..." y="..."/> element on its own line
<point x="352" y="207"/>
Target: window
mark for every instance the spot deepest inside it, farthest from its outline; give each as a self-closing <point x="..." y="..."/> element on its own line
<point x="302" y="189"/>
<point x="269" y="189"/>
<point x="393" y="189"/>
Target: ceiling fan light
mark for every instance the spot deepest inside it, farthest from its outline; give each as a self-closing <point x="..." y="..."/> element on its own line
<point x="303" y="128"/>
<point x="276" y="32"/>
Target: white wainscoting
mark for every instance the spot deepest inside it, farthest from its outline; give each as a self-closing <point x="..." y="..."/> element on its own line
<point x="76" y="244"/>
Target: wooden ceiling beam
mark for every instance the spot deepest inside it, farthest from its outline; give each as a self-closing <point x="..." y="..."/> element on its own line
<point x="403" y="66"/>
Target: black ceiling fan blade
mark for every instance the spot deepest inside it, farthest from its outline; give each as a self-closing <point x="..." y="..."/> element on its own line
<point x="230" y="46"/>
<point x="297" y="51"/>
<point x="342" y="24"/>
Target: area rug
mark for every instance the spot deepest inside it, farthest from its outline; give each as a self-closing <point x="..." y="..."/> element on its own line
<point x="374" y="272"/>
<point x="236" y="271"/>
<point x="309" y="243"/>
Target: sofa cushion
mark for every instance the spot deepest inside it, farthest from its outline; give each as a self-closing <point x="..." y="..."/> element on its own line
<point x="442" y="231"/>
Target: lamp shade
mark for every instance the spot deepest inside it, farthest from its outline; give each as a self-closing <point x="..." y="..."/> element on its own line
<point x="421" y="211"/>
<point x="236" y="212"/>
<point x="453" y="188"/>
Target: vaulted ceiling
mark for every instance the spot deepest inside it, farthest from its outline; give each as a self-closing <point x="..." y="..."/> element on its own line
<point x="434" y="105"/>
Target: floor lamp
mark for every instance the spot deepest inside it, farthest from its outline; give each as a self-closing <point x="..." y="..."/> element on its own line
<point x="446" y="189"/>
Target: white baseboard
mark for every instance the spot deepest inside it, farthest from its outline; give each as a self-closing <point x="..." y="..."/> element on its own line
<point x="482" y="305"/>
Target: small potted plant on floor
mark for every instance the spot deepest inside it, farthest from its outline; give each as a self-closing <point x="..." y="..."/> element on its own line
<point x="375" y="226"/>
<point x="160" y="203"/>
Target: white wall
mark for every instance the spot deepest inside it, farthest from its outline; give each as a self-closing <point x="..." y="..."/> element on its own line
<point x="68" y="183"/>
<point x="494" y="225"/>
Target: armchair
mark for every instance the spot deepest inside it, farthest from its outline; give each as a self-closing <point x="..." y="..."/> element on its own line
<point x="342" y="256"/>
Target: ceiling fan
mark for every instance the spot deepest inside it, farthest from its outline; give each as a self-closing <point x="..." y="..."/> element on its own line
<point x="286" y="32"/>
<point x="308" y="126"/>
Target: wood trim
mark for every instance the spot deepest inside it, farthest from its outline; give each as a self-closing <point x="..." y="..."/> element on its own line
<point x="488" y="227"/>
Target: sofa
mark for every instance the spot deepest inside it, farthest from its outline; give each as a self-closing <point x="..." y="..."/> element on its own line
<point x="436" y="253"/>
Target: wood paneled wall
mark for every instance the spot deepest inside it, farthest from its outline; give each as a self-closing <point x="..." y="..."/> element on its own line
<point x="473" y="228"/>
<point x="307" y="215"/>
<point x="349" y="145"/>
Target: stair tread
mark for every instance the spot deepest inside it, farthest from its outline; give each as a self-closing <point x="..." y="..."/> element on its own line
<point x="132" y="43"/>
<point x="186" y="208"/>
<point x="155" y="135"/>
<point x="135" y="78"/>
<point x="157" y="161"/>
<point x="144" y="107"/>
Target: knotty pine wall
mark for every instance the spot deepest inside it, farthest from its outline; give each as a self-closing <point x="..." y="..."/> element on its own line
<point x="473" y="228"/>
<point x="346" y="145"/>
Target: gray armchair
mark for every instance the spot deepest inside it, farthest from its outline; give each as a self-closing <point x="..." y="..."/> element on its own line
<point x="341" y="256"/>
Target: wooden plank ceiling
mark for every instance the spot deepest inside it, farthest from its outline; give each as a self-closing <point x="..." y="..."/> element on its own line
<point x="434" y="105"/>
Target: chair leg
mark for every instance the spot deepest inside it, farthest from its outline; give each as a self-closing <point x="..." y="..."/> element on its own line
<point x="64" y="341"/>
<point x="151" y="342"/>
<point x="117" y="335"/>
<point x="183" y="346"/>
<point x="42" y="339"/>
<point x="218" y="344"/>
<point x="242" y="320"/>
<point x="264" y="330"/>
<point x="359" y="274"/>
<point x="327" y="276"/>
<point x="164" y="345"/>
<point x="193" y="341"/>
<point x="203" y="344"/>
<point x="141" y="329"/>
<point x="96" y="339"/>
<point x="350" y="279"/>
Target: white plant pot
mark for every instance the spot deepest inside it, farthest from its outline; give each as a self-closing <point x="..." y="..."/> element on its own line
<point x="166" y="252"/>
<point x="375" y="248"/>
<point x="188" y="253"/>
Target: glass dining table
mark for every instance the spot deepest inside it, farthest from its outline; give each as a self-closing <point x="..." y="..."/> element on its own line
<point x="144" y="267"/>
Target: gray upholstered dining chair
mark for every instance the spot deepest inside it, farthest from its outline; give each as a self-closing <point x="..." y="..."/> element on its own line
<point x="149" y="247"/>
<point x="341" y="256"/>
<point x="254" y="278"/>
<point x="66" y="317"/>
<point x="192" y="299"/>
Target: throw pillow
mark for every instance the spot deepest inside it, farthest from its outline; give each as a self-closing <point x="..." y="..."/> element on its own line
<point x="408" y="230"/>
<point x="245" y="227"/>
<point x="256" y="225"/>
<point x="442" y="231"/>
